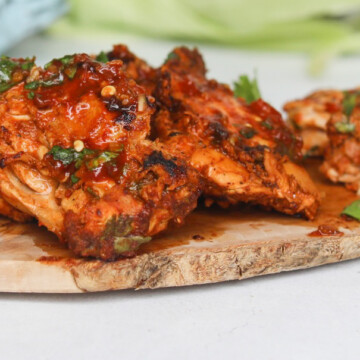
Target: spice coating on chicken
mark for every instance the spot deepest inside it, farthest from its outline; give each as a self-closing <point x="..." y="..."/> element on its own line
<point x="134" y="67"/>
<point x="242" y="151"/>
<point x="74" y="155"/>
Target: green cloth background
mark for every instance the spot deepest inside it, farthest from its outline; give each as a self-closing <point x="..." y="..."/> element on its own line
<point x="320" y="27"/>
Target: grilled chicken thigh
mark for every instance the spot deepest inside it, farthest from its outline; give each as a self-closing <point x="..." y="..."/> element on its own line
<point x="74" y="155"/>
<point x="242" y="151"/>
<point x="337" y="115"/>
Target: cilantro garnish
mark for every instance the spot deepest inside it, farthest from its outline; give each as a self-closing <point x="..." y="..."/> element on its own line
<point x="104" y="157"/>
<point x="31" y="95"/>
<point x="69" y="155"/>
<point x="172" y="56"/>
<point x="353" y="210"/>
<point x="8" y="66"/>
<point x="102" y="57"/>
<point x="247" y="89"/>
<point x="74" y="179"/>
<point x="344" y="127"/>
<point x="247" y="132"/>
<point x="349" y="102"/>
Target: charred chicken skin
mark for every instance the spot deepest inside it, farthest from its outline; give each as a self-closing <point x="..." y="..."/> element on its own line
<point x="337" y="114"/>
<point x="243" y="151"/>
<point x="134" y="67"/>
<point x="74" y="155"/>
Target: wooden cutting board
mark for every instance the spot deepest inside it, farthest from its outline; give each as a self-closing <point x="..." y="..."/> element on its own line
<point x="214" y="245"/>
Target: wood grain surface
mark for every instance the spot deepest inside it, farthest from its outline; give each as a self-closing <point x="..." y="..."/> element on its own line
<point x="214" y="245"/>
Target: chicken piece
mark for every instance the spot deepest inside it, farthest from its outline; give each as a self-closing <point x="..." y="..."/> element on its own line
<point x="342" y="155"/>
<point x="9" y="211"/>
<point x="12" y="72"/>
<point x="336" y="114"/>
<point x="242" y="151"/>
<point x="74" y="155"/>
<point x="134" y="67"/>
<point x="310" y="117"/>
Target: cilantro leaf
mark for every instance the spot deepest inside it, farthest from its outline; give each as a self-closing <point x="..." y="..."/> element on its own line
<point x="66" y="156"/>
<point x="74" y="178"/>
<point x="104" y="157"/>
<point x="344" y="127"/>
<point x="349" y="102"/>
<point x="172" y="56"/>
<point x="248" y="132"/>
<point x="353" y="210"/>
<point x="247" y="89"/>
<point x="8" y="66"/>
<point x="69" y="155"/>
<point x="102" y="57"/>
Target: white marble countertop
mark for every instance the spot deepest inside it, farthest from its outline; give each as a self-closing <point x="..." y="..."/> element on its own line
<point x="309" y="314"/>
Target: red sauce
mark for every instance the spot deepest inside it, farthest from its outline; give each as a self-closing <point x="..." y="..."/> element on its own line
<point x="188" y="87"/>
<point x="326" y="230"/>
<point x="76" y="110"/>
<point x="333" y="107"/>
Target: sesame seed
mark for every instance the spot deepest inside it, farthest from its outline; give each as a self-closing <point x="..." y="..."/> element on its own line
<point x="108" y="90"/>
<point x="78" y="145"/>
<point x="20" y="117"/>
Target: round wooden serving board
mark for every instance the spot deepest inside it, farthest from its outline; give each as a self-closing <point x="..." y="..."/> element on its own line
<point x="214" y="245"/>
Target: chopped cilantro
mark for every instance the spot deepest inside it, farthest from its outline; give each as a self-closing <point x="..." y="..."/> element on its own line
<point x="267" y="124"/>
<point x="31" y="95"/>
<point x="172" y="56"/>
<point x="27" y="66"/>
<point x="247" y="89"/>
<point x="349" y="102"/>
<point x="71" y="72"/>
<point x="102" y="57"/>
<point x="66" y="156"/>
<point x="247" y="132"/>
<point x="353" y="210"/>
<point x="32" y="85"/>
<point x="7" y="67"/>
<point x="104" y="157"/>
<point x="67" y="59"/>
<point x="344" y="127"/>
<point x="5" y="86"/>
<point x="45" y="83"/>
<point x="69" y="155"/>
<point x="74" y="178"/>
<point x="67" y="67"/>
